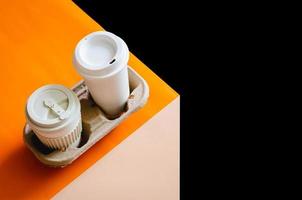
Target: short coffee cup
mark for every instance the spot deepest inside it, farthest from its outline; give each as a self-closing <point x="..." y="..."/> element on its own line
<point x="54" y="114"/>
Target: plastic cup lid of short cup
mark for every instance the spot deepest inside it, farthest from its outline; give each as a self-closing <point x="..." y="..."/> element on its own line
<point x="100" y="53"/>
<point x="50" y="106"/>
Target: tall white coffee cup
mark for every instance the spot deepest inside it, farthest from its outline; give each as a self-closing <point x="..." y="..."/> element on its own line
<point x="101" y="59"/>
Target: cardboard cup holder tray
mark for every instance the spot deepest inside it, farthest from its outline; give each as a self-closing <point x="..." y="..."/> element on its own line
<point x="94" y="122"/>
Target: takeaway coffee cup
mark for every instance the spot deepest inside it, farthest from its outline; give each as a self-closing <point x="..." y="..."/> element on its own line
<point x="101" y="59"/>
<point x="54" y="114"/>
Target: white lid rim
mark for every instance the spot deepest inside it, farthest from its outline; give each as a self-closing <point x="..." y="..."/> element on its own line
<point x="53" y="127"/>
<point x="32" y="117"/>
<point x="56" y="132"/>
<point x="121" y="57"/>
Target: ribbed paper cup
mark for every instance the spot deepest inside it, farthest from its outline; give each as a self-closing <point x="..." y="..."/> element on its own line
<point x="54" y="114"/>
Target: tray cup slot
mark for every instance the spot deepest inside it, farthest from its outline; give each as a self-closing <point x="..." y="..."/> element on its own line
<point x="39" y="145"/>
<point x="84" y="139"/>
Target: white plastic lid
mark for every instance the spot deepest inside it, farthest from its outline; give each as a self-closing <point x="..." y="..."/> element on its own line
<point x="51" y="105"/>
<point x="100" y="54"/>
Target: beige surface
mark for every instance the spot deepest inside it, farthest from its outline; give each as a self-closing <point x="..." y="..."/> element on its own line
<point x="145" y="166"/>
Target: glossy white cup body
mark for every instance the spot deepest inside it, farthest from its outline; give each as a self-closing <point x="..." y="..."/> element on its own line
<point x="101" y="59"/>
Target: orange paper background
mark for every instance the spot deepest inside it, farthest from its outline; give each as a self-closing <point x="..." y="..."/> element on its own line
<point x="37" y="39"/>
